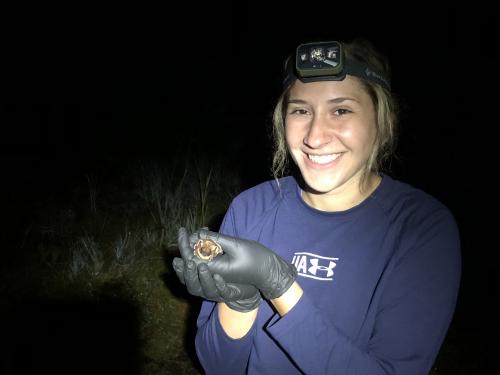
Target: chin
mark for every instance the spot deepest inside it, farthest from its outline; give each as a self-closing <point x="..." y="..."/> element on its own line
<point x="320" y="186"/>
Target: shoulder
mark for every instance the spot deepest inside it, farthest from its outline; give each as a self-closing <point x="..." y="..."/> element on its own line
<point x="264" y="195"/>
<point x="402" y="201"/>
<point x="424" y="222"/>
<point x="252" y="206"/>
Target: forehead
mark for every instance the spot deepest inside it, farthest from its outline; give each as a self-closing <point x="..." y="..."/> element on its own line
<point x="349" y="87"/>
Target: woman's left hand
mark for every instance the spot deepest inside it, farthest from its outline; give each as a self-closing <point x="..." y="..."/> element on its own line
<point x="249" y="262"/>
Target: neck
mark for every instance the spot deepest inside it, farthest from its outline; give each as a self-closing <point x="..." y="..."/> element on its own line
<point x="343" y="198"/>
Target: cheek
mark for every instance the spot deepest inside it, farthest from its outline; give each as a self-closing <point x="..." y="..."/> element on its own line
<point x="363" y="134"/>
<point x="291" y="134"/>
<point x="370" y="133"/>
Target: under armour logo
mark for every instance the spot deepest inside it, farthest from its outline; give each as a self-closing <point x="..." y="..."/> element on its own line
<point x="314" y="266"/>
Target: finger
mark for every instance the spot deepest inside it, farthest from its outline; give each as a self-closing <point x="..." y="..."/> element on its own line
<point x="191" y="277"/>
<point x="207" y="283"/>
<point x="178" y="265"/>
<point x="227" y="291"/>
<point x="195" y="236"/>
<point x="183" y="243"/>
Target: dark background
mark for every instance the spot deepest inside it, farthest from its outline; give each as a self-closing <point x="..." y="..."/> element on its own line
<point x="79" y="85"/>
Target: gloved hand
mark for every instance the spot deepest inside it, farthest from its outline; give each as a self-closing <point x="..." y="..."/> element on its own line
<point x="199" y="280"/>
<point x="249" y="262"/>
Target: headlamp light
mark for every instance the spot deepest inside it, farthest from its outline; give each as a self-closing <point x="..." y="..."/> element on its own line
<point x="319" y="59"/>
<point x="326" y="61"/>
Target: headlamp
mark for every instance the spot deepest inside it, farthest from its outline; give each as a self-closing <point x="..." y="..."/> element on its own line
<point x="326" y="61"/>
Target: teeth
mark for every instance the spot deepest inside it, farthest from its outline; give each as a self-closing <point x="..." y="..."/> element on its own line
<point x="323" y="159"/>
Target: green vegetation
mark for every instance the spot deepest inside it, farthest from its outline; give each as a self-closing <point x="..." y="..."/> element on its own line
<point x="113" y="239"/>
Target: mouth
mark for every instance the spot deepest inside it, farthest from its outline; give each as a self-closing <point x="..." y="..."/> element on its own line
<point x="323" y="160"/>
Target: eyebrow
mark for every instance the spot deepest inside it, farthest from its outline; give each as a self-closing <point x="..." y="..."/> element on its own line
<point x="335" y="100"/>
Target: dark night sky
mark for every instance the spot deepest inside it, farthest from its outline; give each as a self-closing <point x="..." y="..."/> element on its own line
<point x="82" y="83"/>
<point x="79" y="84"/>
<point x="131" y="80"/>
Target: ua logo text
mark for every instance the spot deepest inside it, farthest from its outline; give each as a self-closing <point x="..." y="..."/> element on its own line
<point x="314" y="266"/>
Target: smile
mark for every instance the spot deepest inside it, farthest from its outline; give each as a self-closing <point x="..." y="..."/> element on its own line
<point x="323" y="159"/>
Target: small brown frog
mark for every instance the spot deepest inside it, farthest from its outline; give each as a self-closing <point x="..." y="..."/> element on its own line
<point x="207" y="250"/>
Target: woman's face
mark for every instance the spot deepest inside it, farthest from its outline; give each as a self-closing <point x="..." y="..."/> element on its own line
<point x="330" y="132"/>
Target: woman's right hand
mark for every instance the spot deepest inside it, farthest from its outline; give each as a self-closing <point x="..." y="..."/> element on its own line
<point x="199" y="281"/>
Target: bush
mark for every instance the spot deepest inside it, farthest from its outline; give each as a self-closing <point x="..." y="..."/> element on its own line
<point x="112" y="239"/>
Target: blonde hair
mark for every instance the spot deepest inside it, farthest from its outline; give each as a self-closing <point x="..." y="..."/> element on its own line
<point x="385" y="105"/>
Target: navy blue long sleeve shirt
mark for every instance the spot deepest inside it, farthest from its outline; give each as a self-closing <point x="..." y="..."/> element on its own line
<point x="380" y="284"/>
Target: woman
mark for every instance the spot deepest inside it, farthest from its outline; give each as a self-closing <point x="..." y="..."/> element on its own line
<point x="337" y="269"/>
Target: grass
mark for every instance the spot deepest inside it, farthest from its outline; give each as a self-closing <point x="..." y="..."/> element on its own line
<point x="114" y="240"/>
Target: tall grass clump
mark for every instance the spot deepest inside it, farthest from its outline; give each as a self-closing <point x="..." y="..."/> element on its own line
<point x="116" y="232"/>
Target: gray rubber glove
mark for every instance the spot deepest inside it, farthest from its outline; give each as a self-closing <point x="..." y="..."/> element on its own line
<point x="201" y="282"/>
<point x="249" y="262"/>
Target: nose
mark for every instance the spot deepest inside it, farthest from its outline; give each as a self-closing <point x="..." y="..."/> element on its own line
<point x="318" y="134"/>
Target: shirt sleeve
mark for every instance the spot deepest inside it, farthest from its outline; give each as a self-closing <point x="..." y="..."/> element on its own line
<point x="218" y="353"/>
<point x="413" y="314"/>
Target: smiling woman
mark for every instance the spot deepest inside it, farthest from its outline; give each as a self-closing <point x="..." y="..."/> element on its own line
<point x="338" y="267"/>
<point x="331" y="133"/>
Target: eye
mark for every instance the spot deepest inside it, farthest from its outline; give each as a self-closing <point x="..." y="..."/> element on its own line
<point x="341" y="112"/>
<point x="298" y="111"/>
